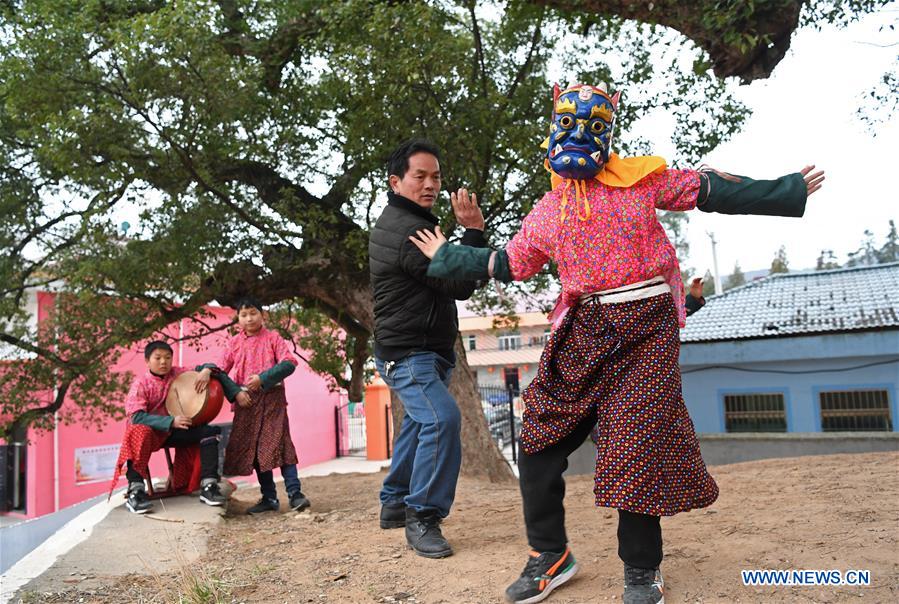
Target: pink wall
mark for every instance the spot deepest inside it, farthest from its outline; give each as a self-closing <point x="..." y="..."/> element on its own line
<point x="311" y="412"/>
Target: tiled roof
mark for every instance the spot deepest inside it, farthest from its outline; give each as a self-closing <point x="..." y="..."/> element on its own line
<point x="790" y="304"/>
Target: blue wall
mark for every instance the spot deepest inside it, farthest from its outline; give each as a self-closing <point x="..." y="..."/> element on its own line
<point x="704" y="389"/>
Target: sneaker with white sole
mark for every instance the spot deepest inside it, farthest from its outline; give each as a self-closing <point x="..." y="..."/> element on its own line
<point x="543" y="573"/>
<point x="643" y="586"/>
<point x="138" y="502"/>
<point x="211" y="494"/>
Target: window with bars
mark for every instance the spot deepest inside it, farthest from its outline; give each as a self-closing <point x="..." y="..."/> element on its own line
<point x="855" y="410"/>
<point x="755" y="412"/>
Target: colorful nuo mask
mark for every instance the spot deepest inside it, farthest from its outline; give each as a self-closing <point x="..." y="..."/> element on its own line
<point x="580" y="135"/>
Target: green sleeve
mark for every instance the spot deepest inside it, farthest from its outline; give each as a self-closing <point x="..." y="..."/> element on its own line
<point x="276" y="374"/>
<point x="785" y="196"/>
<point x="229" y="387"/>
<point x="464" y="263"/>
<point x="162" y="423"/>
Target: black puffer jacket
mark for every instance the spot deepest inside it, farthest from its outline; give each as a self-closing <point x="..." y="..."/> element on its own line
<point x="413" y="312"/>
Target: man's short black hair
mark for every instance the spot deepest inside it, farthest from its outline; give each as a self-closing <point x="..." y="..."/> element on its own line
<point x="156" y="345"/>
<point x="399" y="160"/>
<point x="248" y="302"/>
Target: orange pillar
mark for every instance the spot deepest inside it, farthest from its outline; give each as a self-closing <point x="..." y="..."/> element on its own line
<point x="378" y="429"/>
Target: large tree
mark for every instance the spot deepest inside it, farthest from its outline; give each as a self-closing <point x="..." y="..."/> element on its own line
<point x="246" y="142"/>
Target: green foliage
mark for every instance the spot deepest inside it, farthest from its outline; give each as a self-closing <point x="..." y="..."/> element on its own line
<point x="826" y="261"/>
<point x="780" y="263"/>
<point x="246" y="142"/>
<point x="736" y="278"/>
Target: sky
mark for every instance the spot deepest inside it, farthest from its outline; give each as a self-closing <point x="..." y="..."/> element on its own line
<point x="805" y="113"/>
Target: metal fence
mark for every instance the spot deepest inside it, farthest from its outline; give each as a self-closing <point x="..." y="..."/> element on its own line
<point x="349" y="423"/>
<point x="502" y="410"/>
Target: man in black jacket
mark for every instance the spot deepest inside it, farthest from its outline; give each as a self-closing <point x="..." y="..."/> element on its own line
<point x="415" y="328"/>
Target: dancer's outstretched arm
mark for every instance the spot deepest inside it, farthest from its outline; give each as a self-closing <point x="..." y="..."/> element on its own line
<point x="784" y="196"/>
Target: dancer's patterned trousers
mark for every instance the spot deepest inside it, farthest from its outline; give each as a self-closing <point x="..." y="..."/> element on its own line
<point x="618" y="363"/>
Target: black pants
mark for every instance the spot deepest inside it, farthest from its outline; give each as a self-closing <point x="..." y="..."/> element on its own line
<point x="543" y="492"/>
<point x="206" y="436"/>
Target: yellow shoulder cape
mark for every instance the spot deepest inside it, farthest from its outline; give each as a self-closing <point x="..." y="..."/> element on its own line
<point x="621" y="172"/>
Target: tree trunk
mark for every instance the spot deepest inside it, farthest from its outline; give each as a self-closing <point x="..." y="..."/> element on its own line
<point x="481" y="458"/>
<point x="766" y="28"/>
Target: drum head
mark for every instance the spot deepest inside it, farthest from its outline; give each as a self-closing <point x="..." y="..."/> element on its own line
<point x="183" y="399"/>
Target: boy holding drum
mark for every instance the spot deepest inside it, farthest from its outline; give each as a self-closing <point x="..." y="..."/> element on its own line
<point x="150" y="428"/>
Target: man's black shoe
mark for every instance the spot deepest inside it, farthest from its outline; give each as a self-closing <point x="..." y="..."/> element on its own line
<point x="393" y="515"/>
<point x="423" y="534"/>
<point x="212" y="495"/>
<point x="298" y="502"/>
<point x="265" y="505"/>
<point x="543" y="573"/>
<point x="138" y="502"/>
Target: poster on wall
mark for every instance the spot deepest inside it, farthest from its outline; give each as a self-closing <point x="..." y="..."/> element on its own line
<point x="95" y="464"/>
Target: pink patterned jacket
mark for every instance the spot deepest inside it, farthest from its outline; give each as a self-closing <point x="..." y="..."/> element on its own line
<point x="148" y="392"/>
<point x="608" y="238"/>
<point x="246" y="355"/>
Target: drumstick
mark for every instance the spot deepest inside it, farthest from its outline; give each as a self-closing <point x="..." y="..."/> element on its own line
<point x="178" y="400"/>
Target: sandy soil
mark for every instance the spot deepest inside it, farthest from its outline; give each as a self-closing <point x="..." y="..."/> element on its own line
<point x="828" y="512"/>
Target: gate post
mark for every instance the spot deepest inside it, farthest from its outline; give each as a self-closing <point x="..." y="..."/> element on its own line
<point x="337" y="430"/>
<point x="377" y="420"/>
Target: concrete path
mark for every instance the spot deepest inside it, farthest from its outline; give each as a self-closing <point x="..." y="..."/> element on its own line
<point x="108" y="541"/>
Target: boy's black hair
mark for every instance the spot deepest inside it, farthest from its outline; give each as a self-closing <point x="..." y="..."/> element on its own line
<point x="248" y="302"/>
<point x="399" y="160"/>
<point x="156" y="345"/>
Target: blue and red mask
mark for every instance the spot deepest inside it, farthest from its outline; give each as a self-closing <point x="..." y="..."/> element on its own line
<point x="580" y="135"/>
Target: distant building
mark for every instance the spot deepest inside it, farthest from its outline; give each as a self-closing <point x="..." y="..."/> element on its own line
<point x="797" y="352"/>
<point x="504" y="357"/>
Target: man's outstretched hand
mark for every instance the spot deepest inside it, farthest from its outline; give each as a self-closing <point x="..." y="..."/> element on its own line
<point x="813" y="180"/>
<point x="466" y="209"/>
<point x="428" y="242"/>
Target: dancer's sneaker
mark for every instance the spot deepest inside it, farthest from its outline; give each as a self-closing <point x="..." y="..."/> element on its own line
<point x="543" y="573"/>
<point x="643" y="586"/>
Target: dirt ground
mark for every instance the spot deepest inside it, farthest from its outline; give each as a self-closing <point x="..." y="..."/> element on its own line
<point x="828" y="512"/>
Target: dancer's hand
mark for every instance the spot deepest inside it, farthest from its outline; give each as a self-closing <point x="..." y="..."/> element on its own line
<point x="181" y="422"/>
<point x="813" y="180"/>
<point x="428" y="242"/>
<point x="254" y="383"/>
<point x="696" y="288"/>
<point x="202" y="381"/>
<point x="466" y="209"/>
<point x="243" y="399"/>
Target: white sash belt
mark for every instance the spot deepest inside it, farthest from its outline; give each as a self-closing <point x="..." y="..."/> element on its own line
<point x="634" y="291"/>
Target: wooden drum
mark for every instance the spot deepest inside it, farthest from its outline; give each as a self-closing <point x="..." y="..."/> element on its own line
<point x="200" y="407"/>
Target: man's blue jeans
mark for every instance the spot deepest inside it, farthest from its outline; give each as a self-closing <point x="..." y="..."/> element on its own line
<point x="267" y="482"/>
<point x="428" y="451"/>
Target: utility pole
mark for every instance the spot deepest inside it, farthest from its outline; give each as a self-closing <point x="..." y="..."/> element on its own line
<point x="715" y="262"/>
